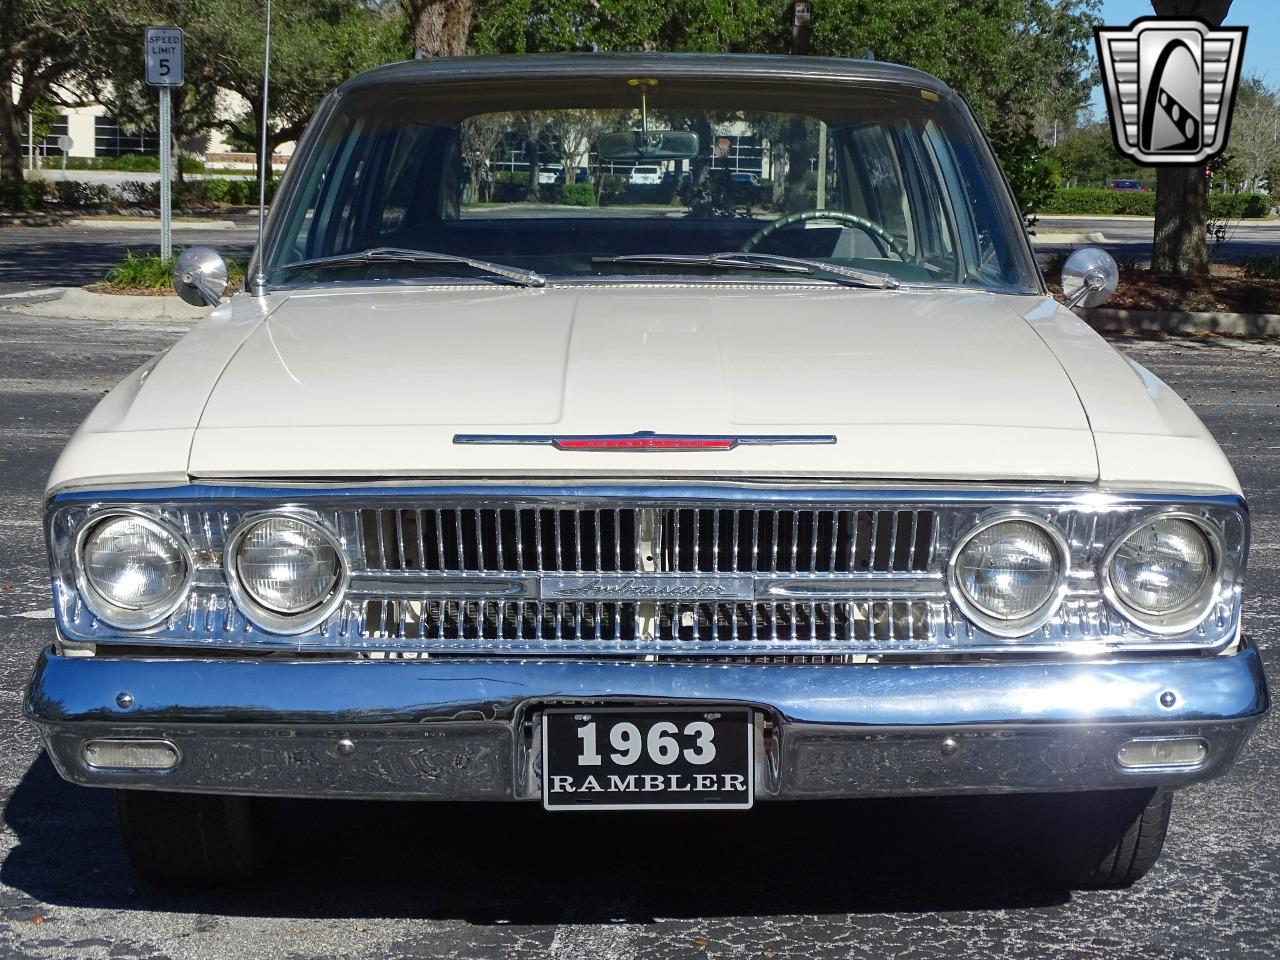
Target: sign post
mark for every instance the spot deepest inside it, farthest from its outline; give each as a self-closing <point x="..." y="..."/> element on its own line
<point x="164" y="70"/>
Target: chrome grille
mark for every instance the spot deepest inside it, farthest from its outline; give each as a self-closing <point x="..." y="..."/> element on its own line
<point x="688" y="540"/>
<point x="515" y="624"/>
<point x="747" y="571"/>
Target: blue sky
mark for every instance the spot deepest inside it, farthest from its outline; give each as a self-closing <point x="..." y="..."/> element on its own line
<point x="1261" y="48"/>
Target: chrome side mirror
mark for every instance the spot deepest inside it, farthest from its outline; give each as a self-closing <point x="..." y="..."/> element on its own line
<point x="200" y="276"/>
<point x="1089" y="277"/>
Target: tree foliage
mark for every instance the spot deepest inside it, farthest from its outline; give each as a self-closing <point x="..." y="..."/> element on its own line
<point x="45" y="44"/>
<point x="1017" y="61"/>
<point x="1087" y="157"/>
<point x="1255" y="137"/>
<point x="315" y="45"/>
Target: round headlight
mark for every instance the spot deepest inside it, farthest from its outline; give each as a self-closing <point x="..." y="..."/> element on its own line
<point x="1163" y="568"/>
<point x="287" y="566"/>
<point x="135" y="570"/>
<point x="1009" y="572"/>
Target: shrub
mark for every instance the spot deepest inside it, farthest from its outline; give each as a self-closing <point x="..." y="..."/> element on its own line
<point x="509" y="186"/>
<point x="1261" y="268"/>
<point x="84" y="196"/>
<point x="20" y="195"/>
<point x="215" y="191"/>
<point x="1033" y="177"/>
<point x="237" y="191"/>
<point x="153" y="273"/>
<point x="138" y="193"/>
<point x="127" y="163"/>
<point x="141" y="273"/>
<point x="1238" y="206"/>
<point x="1103" y="202"/>
<point x="137" y="163"/>
<point x="578" y="194"/>
<point x="612" y="186"/>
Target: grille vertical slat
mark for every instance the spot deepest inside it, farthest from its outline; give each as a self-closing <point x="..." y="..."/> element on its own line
<point x="704" y="541"/>
<point x="699" y="541"/>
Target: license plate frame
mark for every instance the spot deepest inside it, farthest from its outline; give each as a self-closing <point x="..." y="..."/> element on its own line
<point x="563" y="747"/>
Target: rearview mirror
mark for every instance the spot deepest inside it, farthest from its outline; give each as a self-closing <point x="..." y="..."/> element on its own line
<point x="655" y="145"/>
<point x="200" y="276"/>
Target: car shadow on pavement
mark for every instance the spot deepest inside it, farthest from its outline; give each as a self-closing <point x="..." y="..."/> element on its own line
<point x="515" y="863"/>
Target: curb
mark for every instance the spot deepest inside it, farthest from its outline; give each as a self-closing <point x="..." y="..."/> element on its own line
<point x="1134" y="218"/>
<point x="1046" y="236"/>
<point x="151" y="223"/>
<point x="79" y="304"/>
<point x="1111" y="320"/>
<point x="30" y="220"/>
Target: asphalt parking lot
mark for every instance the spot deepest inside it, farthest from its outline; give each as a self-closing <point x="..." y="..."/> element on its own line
<point x="856" y="879"/>
<point x="34" y="258"/>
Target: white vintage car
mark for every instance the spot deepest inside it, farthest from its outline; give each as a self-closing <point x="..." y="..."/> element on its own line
<point x="646" y="508"/>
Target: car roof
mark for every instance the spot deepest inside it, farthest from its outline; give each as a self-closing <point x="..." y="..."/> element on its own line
<point x="594" y="66"/>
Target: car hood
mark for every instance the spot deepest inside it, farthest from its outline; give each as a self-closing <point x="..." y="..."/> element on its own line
<point x="376" y="382"/>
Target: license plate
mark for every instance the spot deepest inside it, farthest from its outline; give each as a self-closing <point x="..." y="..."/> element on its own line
<point x="659" y="759"/>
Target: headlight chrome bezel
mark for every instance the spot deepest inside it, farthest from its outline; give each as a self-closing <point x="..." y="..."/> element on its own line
<point x="1026" y="625"/>
<point x="263" y="617"/>
<point x="110" y="612"/>
<point x="1189" y="615"/>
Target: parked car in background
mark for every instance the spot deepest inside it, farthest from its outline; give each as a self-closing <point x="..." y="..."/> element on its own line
<point x="645" y="176"/>
<point x="747" y="179"/>
<point x="621" y="510"/>
<point x="1128" y="186"/>
<point x="551" y="173"/>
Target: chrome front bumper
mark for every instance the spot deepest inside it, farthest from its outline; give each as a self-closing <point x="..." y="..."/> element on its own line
<point x="469" y="729"/>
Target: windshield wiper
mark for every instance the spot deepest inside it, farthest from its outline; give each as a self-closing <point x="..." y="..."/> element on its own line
<point x="525" y="278"/>
<point x="737" y="260"/>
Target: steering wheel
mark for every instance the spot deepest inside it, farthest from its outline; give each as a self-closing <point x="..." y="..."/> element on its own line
<point x="839" y="216"/>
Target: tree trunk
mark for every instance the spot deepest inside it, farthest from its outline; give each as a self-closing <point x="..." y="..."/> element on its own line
<point x="1182" y="193"/>
<point x="1182" y="212"/>
<point x="440" y="27"/>
<point x="10" y="135"/>
<point x="797" y="195"/>
<point x="533" y="193"/>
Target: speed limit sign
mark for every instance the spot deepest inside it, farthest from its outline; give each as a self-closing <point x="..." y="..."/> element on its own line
<point x="164" y="56"/>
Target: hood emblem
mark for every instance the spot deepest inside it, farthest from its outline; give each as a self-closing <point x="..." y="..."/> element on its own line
<point x="643" y="440"/>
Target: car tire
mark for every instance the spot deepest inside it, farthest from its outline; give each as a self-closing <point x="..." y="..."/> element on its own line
<point x="1109" y="838"/>
<point x="188" y="839"/>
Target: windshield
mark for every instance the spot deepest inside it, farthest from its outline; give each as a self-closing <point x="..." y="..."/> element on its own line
<point x="659" y="180"/>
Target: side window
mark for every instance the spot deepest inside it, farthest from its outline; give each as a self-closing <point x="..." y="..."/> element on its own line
<point x="985" y="255"/>
<point x="935" y="227"/>
<point x="875" y="163"/>
<point x="385" y="179"/>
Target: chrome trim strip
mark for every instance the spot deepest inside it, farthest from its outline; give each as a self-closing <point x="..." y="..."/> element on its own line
<point x="646" y="586"/>
<point x="808" y="491"/>
<point x="409" y="583"/>
<point x="642" y="441"/>
<point x="898" y="587"/>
